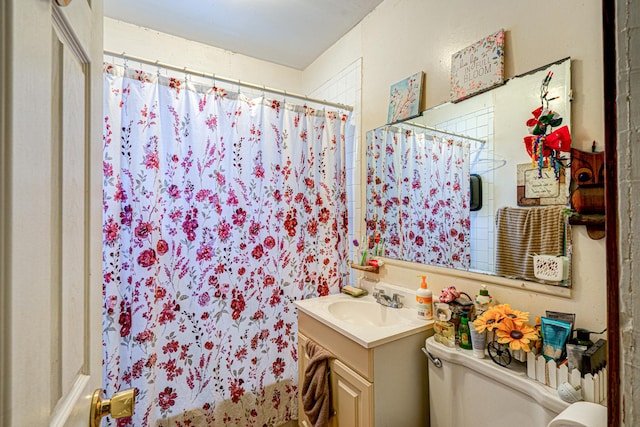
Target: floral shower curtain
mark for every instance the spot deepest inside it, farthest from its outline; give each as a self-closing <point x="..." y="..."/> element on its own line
<point x="418" y="195"/>
<point x="219" y="211"/>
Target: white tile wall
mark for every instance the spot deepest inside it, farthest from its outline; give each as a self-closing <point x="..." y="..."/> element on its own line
<point x="479" y="124"/>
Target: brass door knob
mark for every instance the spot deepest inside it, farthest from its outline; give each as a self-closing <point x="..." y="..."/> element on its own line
<point x="119" y="406"/>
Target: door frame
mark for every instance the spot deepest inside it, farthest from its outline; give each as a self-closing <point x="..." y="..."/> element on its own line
<point x="610" y="77"/>
<point x="5" y="387"/>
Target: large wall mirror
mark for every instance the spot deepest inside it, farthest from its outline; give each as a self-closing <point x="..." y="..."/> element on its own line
<point x="464" y="231"/>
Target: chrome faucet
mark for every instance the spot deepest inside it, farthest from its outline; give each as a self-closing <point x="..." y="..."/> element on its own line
<point x="386" y="300"/>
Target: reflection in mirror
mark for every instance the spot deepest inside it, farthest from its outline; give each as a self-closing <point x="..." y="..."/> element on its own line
<point x="418" y="189"/>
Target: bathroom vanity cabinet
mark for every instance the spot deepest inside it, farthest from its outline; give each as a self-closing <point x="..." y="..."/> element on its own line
<point x="383" y="385"/>
<point x="351" y="393"/>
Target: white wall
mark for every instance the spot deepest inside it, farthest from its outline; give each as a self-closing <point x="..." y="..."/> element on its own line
<point x="401" y="37"/>
<point x="150" y="44"/>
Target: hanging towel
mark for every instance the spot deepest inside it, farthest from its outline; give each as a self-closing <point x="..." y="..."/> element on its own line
<point x="523" y="232"/>
<point x="316" y="398"/>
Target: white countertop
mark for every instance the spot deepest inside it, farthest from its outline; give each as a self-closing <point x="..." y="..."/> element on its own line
<point x="367" y="335"/>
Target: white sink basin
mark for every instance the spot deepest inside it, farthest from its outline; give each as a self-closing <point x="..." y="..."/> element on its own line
<point x="365" y="313"/>
<point x="363" y="320"/>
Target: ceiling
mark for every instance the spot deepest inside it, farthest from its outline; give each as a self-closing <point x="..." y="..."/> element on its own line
<point x="287" y="32"/>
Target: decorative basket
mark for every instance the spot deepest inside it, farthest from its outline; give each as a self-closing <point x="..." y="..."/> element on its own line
<point x="551" y="267"/>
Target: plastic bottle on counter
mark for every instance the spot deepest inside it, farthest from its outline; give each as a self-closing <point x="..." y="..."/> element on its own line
<point x="465" y="333"/>
<point x="424" y="300"/>
<point x="483" y="300"/>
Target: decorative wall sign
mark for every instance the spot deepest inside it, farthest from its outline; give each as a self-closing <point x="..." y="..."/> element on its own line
<point x="533" y="190"/>
<point x="478" y="67"/>
<point x="540" y="187"/>
<point x="405" y="98"/>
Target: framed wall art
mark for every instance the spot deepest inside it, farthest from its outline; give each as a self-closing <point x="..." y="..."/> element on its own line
<point x="478" y="67"/>
<point x="405" y="98"/>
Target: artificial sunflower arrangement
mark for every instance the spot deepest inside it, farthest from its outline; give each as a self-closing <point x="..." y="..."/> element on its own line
<point x="509" y="325"/>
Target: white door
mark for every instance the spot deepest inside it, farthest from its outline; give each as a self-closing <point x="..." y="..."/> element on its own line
<point x="50" y="215"/>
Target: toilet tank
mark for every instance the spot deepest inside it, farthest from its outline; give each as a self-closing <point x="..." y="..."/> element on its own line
<point x="467" y="391"/>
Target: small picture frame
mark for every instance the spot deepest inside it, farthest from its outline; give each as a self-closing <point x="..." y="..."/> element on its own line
<point x="478" y="67"/>
<point x="405" y="98"/>
<point x="545" y="190"/>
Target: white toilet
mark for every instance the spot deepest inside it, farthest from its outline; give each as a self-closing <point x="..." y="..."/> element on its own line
<point x="465" y="390"/>
<point x="581" y="414"/>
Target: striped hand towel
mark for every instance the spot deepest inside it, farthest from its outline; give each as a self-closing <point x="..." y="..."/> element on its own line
<point x="523" y="232"/>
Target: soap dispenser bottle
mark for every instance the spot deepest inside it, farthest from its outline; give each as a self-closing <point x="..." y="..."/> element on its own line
<point x="424" y="300"/>
<point x="483" y="300"/>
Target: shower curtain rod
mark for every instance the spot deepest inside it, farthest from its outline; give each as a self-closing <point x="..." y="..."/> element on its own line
<point x="216" y="77"/>
<point x="482" y="141"/>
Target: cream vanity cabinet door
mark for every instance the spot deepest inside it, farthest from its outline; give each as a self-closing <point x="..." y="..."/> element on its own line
<point x="352" y="395"/>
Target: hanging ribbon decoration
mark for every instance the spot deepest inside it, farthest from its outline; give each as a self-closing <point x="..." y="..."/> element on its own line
<point x="545" y="145"/>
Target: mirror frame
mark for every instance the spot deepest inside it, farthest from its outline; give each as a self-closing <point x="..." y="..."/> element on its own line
<point x="610" y="80"/>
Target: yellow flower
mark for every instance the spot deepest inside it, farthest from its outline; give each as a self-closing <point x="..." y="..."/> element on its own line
<point x="517" y="335"/>
<point x="488" y="320"/>
<point x="517" y="316"/>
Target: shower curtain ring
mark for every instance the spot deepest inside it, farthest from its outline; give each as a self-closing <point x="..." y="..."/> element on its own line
<point x="124" y="59"/>
<point x="158" y="67"/>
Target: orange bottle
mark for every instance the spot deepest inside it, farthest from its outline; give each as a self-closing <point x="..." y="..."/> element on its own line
<point x="424" y="300"/>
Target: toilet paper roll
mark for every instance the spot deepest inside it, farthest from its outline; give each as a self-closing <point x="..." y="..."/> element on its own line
<point x="581" y="414"/>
